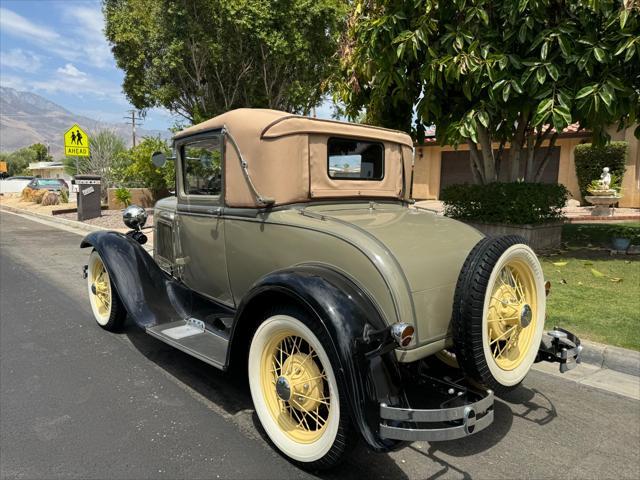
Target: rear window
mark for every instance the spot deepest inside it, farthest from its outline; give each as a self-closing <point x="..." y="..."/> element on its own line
<point x="49" y="183"/>
<point x="350" y="159"/>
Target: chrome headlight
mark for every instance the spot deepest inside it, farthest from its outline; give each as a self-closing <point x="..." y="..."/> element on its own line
<point x="134" y="217"/>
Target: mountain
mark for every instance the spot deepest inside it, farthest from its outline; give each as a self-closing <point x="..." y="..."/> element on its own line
<point x="27" y="118"/>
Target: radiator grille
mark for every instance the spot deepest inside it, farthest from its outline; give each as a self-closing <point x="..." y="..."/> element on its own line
<point x="164" y="241"/>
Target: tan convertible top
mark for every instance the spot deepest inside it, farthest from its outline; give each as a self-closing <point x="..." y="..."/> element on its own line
<point x="287" y="157"/>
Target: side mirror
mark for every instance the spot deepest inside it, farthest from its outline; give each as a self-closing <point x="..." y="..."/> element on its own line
<point x="158" y="159"/>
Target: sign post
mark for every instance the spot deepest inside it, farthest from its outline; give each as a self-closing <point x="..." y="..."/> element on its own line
<point x="76" y="144"/>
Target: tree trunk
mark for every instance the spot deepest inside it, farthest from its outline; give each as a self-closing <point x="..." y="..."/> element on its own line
<point x="488" y="160"/>
<point x="475" y="163"/>
<point x="515" y="150"/>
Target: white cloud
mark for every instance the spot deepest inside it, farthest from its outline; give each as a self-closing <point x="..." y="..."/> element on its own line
<point x="17" y="25"/>
<point x="19" y="59"/>
<point x="82" y="42"/>
<point x="70" y="70"/>
<point x="12" y="81"/>
<point x="94" y="44"/>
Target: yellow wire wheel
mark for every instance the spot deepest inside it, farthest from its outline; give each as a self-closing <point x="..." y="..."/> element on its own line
<point x="511" y="314"/>
<point x="499" y="312"/>
<point x="105" y="304"/>
<point x="294" y="388"/>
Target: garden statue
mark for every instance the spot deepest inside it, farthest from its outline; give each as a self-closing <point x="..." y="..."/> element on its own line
<point x="605" y="179"/>
<point x="603" y="195"/>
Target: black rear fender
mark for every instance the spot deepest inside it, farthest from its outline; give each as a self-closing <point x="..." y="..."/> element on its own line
<point x="344" y="310"/>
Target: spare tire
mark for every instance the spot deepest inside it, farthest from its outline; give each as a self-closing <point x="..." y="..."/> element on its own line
<point x="499" y="312"/>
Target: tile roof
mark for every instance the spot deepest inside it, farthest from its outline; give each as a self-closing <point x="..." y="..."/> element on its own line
<point x="568" y="130"/>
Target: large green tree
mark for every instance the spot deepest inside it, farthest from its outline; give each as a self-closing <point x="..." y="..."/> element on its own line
<point x="199" y="58"/>
<point x="493" y="72"/>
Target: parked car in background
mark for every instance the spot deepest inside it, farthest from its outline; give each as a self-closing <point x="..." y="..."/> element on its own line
<point x="53" y="184"/>
<point x="20" y="177"/>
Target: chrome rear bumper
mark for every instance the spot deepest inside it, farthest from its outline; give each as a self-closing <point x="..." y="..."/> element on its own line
<point x="461" y="413"/>
<point x="561" y="346"/>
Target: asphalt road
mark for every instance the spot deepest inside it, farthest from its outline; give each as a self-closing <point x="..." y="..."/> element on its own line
<point x="78" y="402"/>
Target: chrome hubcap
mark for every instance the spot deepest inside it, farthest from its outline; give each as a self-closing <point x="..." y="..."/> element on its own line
<point x="283" y="389"/>
<point x="526" y="315"/>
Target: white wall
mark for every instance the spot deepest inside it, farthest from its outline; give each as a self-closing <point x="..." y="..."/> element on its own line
<point x="13" y="186"/>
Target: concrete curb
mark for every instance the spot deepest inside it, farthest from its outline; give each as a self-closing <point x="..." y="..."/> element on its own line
<point x="614" y="358"/>
<point x="54" y="219"/>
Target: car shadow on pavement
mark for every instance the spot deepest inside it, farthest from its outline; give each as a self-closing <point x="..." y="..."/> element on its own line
<point x="230" y="393"/>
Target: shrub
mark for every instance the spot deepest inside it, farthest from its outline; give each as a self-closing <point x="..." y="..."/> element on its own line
<point x="513" y="203"/>
<point x="590" y="160"/>
<point x="123" y="195"/>
<point x="27" y="194"/>
<point x="50" y="198"/>
<point x="64" y="196"/>
<point x="38" y="195"/>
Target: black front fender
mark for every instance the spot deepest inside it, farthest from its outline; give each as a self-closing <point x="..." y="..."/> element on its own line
<point x="150" y="296"/>
<point x="344" y="310"/>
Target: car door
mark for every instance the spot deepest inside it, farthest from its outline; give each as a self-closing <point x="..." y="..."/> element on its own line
<point x="201" y="258"/>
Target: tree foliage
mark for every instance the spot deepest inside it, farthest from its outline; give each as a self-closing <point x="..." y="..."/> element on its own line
<point x="515" y="71"/>
<point x="137" y="170"/>
<point x="199" y="58"/>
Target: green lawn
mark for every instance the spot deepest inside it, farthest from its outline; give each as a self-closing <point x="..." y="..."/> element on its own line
<point x="594" y="294"/>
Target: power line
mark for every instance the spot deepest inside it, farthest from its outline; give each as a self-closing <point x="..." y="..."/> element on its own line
<point x="132" y="121"/>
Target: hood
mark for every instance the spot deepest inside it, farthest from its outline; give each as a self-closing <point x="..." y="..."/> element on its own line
<point x="429" y="248"/>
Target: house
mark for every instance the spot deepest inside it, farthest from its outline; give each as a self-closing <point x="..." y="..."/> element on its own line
<point x="49" y="170"/>
<point x="437" y="166"/>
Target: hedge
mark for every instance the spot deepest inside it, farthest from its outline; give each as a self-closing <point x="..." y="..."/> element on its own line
<point x="516" y="203"/>
<point x="590" y="160"/>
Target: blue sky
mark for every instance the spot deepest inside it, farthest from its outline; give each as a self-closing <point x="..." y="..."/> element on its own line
<point x="56" y="48"/>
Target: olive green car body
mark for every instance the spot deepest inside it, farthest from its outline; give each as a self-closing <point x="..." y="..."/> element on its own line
<point x="406" y="259"/>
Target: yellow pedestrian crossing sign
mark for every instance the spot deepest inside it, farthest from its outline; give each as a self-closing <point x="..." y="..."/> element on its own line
<point x="76" y="142"/>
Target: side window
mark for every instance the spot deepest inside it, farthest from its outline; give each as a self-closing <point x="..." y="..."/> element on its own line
<point x="202" y="166"/>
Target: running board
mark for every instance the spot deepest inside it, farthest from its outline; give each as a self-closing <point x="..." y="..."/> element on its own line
<point x="192" y="337"/>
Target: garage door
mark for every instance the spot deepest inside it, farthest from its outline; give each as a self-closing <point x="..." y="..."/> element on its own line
<point x="455" y="167"/>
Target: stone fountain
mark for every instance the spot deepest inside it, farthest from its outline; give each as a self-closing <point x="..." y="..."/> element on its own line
<point x="603" y="197"/>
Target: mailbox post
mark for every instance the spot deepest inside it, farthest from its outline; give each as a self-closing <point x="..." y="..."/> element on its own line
<point x="89" y="188"/>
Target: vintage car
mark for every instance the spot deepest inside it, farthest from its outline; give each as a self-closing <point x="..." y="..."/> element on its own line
<point x="292" y="251"/>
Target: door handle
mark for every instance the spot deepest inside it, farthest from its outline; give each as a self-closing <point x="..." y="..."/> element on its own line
<point x="214" y="211"/>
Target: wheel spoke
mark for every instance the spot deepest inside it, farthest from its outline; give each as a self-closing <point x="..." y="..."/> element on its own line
<point x="507" y="343"/>
<point x="322" y="376"/>
<point x="502" y="335"/>
<point x="318" y="418"/>
<point x="322" y="400"/>
<point x="501" y="319"/>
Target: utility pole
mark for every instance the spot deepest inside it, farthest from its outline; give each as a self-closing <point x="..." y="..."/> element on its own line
<point x="132" y="121"/>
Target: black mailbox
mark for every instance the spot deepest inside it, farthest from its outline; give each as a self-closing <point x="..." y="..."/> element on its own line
<point x="89" y="195"/>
